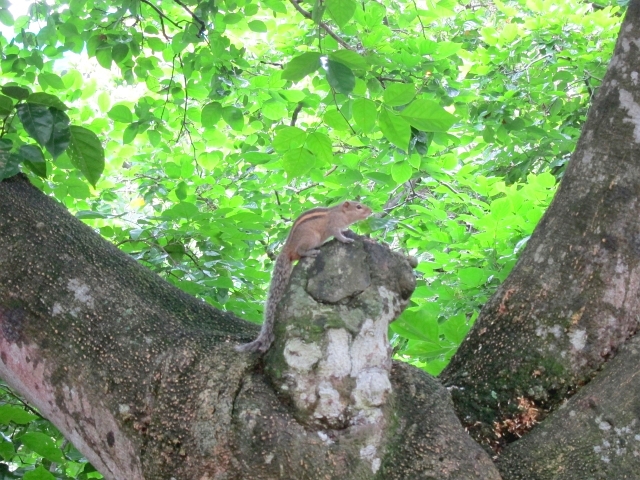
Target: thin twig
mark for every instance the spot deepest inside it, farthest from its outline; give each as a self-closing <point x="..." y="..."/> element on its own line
<point x="161" y="16"/>
<point x="322" y="25"/>
<point x="195" y="17"/>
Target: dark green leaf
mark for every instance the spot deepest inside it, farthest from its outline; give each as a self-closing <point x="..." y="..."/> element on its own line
<point x="37" y="120"/>
<point x="46" y="99"/>
<point x="6" y="105"/>
<point x="60" y="136"/>
<point x="13" y="91"/>
<point x="86" y="153"/>
<point x="340" y="77"/>
<point x="349" y="58"/>
<point x="33" y="158"/>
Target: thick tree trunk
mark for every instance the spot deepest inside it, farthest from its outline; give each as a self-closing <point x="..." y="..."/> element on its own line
<point x="573" y="298"/>
<point x="144" y="380"/>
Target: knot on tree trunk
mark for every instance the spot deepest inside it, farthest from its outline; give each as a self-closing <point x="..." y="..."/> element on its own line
<point x="331" y="355"/>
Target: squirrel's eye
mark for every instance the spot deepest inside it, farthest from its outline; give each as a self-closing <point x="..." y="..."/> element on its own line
<point x="359" y="207"/>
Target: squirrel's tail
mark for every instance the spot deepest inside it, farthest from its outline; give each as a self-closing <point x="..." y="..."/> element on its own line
<point x="279" y="281"/>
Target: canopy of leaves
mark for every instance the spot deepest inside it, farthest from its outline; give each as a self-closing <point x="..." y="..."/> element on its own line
<point x="191" y="134"/>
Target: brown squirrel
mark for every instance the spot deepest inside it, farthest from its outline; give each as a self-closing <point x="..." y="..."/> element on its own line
<point x="309" y="231"/>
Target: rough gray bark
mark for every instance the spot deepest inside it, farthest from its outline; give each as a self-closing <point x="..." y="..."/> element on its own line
<point x="573" y="298"/>
<point x="144" y="380"/>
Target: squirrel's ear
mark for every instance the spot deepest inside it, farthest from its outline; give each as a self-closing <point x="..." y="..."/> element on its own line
<point x="346" y="204"/>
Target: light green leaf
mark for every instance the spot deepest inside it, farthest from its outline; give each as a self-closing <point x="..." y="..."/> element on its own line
<point x="257" y="26"/>
<point x="234" y="118"/>
<point x="401" y="171"/>
<point x="211" y="114"/>
<point x="396" y="129"/>
<point x="364" y="113"/>
<point x="350" y="58"/>
<point x="40" y="473"/>
<point x="17" y="415"/>
<point x="320" y="145"/>
<point x="297" y="162"/>
<point x="120" y="113"/>
<point x="51" y="80"/>
<point x="340" y="11"/>
<point x="301" y="66"/>
<point x="428" y="116"/>
<point x="397" y="94"/>
<point x="288" y="138"/>
<point x="43" y="445"/>
<point x="334" y="119"/>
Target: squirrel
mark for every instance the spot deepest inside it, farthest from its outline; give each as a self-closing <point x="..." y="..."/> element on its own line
<point x="309" y="231"/>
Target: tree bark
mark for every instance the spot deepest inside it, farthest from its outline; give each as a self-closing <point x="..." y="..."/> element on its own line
<point x="144" y="380"/>
<point x="573" y="299"/>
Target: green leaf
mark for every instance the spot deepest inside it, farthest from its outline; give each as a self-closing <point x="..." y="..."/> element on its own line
<point x="130" y="133"/>
<point x="119" y="52"/>
<point x="396" y="129"/>
<point x="340" y="11"/>
<point x="301" y="66"/>
<point x="43" y="445"/>
<point x="33" y="158"/>
<point x="37" y="120"/>
<point x="13" y="91"/>
<point x="5" y="17"/>
<point x="320" y="145"/>
<point x="6" y="449"/>
<point x="181" y="191"/>
<point x="234" y="118"/>
<point x="40" y="473"/>
<point x="349" y="58"/>
<point x="60" y="135"/>
<point x="211" y="114"/>
<point x="51" y="80"/>
<point x="340" y="77"/>
<point x="428" y="116"/>
<point x="297" y="162"/>
<point x="257" y="26"/>
<point x="86" y="153"/>
<point x="6" y="105"/>
<point x="334" y="119"/>
<point x="397" y="94"/>
<point x="17" y="415"/>
<point x="120" y="113"/>
<point x="288" y="138"/>
<point x="401" y="172"/>
<point x="364" y="113"/>
<point x="103" y="55"/>
<point x="42" y="98"/>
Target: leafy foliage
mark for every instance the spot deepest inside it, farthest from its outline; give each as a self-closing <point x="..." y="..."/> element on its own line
<point x="206" y="127"/>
